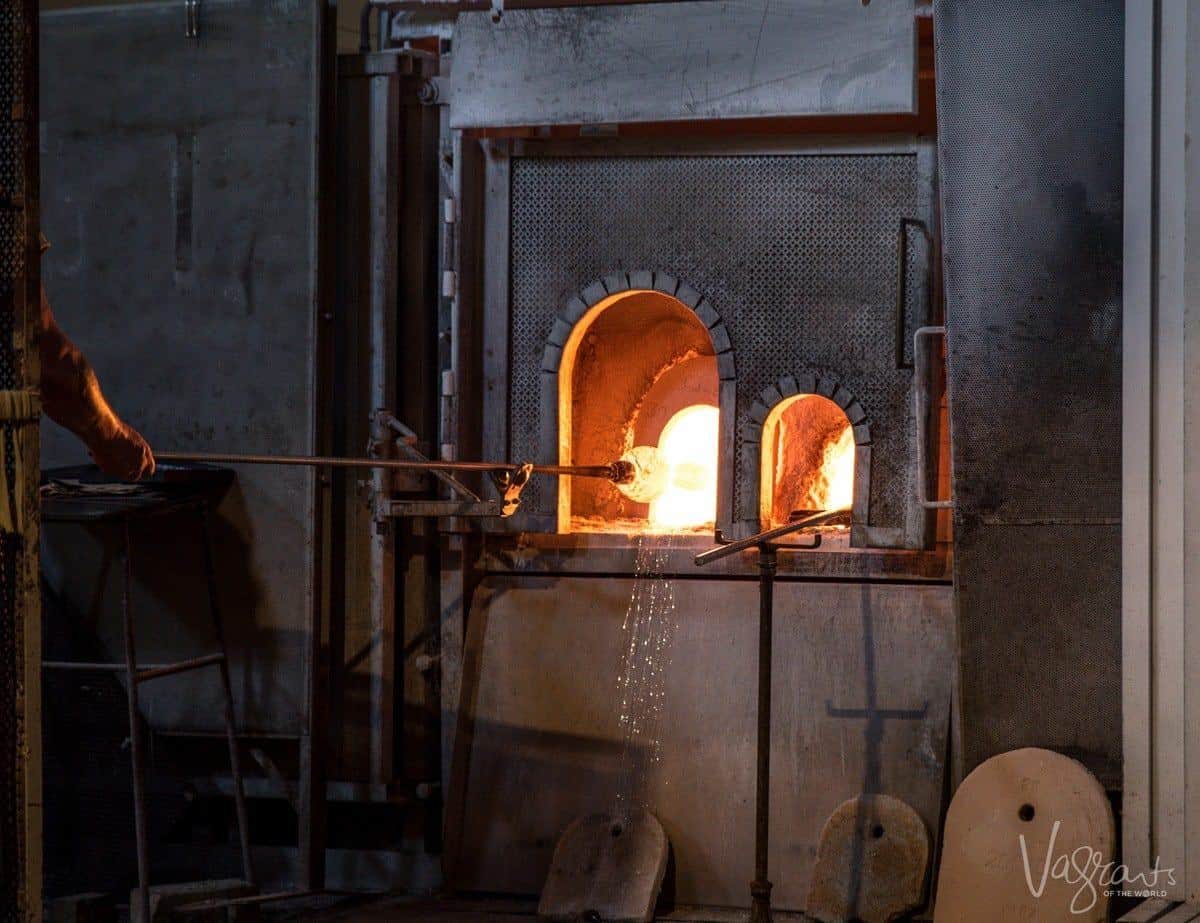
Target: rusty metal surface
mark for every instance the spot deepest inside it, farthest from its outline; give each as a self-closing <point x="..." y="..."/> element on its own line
<point x="683" y="61"/>
<point x="1030" y="102"/>
<point x="20" y="611"/>
<point x="539" y="742"/>
<point x="796" y="252"/>
<point x="180" y="204"/>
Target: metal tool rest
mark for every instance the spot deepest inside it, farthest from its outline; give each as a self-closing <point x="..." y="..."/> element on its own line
<point x="173" y="492"/>
<point x="767" y="545"/>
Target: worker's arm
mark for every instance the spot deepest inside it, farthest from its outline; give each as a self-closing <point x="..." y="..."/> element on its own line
<point x="72" y="398"/>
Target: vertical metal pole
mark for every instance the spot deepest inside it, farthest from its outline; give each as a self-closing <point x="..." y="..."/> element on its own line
<point x="760" y="887"/>
<point x="135" y="728"/>
<point x="235" y="765"/>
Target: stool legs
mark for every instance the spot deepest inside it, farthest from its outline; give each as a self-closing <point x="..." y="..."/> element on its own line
<point x="135" y="726"/>
<point x="235" y="765"/>
<point x="135" y="729"/>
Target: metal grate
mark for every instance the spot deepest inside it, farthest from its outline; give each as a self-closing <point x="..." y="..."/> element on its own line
<point x="797" y="253"/>
<point x="19" y="897"/>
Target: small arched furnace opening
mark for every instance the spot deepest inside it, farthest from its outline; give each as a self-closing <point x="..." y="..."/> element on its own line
<point x="807" y="459"/>
<point x="639" y="370"/>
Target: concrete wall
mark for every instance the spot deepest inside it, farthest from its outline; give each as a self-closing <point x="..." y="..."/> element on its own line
<point x="179" y="196"/>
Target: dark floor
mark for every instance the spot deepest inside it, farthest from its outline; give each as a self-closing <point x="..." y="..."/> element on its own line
<point x="360" y="909"/>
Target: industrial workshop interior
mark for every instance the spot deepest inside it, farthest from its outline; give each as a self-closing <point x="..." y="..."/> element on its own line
<point x="487" y="461"/>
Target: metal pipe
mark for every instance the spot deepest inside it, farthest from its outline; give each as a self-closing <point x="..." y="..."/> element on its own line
<point x="808" y="522"/>
<point x="183" y="666"/>
<point x="135" y="730"/>
<point x="768" y="561"/>
<point x="760" y="887"/>
<point x="617" y="472"/>
<point x="235" y="764"/>
<point x="85" y="666"/>
<point x="389" y="421"/>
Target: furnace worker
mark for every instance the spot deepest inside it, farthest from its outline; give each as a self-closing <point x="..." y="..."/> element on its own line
<point x="72" y="398"/>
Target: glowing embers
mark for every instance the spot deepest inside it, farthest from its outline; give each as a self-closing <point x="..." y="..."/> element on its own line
<point x="807" y="459"/>
<point x="678" y="479"/>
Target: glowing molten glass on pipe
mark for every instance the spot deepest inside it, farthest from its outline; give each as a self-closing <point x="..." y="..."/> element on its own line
<point x="678" y="477"/>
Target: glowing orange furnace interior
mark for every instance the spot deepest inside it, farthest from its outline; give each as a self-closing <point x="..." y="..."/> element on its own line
<point x="639" y="380"/>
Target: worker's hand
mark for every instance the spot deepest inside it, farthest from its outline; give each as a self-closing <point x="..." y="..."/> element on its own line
<point x="124" y="454"/>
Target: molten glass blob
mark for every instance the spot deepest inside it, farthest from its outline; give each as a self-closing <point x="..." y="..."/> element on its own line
<point x="650" y="474"/>
<point x="679" y="477"/>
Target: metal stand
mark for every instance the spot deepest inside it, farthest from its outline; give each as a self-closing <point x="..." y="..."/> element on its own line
<point x="135" y="676"/>
<point x="765" y="544"/>
<point x="760" y="887"/>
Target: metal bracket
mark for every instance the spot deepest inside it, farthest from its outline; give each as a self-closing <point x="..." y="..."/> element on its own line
<point x="191" y="12"/>
<point x="467" y="503"/>
<point x="510" y="484"/>
<point x="720" y="538"/>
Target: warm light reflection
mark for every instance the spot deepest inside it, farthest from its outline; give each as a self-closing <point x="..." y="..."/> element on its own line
<point x="837" y="473"/>
<point x="808" y="459"/>
<point x="688" y="445"/>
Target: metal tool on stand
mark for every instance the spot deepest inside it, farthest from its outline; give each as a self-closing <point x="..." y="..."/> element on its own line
<point x="508" y="477"/>
<point x="766" y="543"/>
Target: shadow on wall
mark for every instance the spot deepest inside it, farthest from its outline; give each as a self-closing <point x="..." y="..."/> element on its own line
<point x="82" y="569"/>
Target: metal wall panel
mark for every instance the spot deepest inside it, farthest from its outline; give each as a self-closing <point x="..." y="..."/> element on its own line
<point x="180" y="204"/>
<point x="540" y="741"/>
<point x="663" y="62"/>
<point x="1030" y="145"/>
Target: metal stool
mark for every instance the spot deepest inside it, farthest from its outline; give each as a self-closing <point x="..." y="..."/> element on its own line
<point x="104" y="503"/>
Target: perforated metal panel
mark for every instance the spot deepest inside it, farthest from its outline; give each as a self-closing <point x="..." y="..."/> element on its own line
<point x="19" y="693"/>
<point x="796" y="252"/>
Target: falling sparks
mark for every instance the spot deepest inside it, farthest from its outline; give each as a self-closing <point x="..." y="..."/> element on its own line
<point x="648" y="630"/>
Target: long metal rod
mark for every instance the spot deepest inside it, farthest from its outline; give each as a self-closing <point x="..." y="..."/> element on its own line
<point x="610" y="472"/>
<point x="768" y="562"/>
<point x="135" y="732"/>
<point x="85" y="666"/>
<point x="808" y="522"/>
<point x="404" y="444"/>
<point x="235" y="764"/>
<point x="183" y="666"/>
<point x="760" y="887"/>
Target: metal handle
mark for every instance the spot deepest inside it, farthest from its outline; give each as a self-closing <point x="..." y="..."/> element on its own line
<point x="902" y="282"/>
<point x="921" y="412"/>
